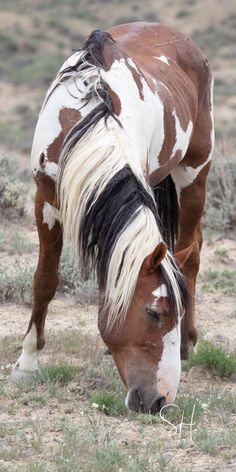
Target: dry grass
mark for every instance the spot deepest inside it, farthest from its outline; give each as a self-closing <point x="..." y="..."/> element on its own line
<point x="73" y="418"/>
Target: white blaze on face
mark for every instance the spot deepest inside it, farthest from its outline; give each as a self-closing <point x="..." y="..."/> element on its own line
<point x="169" y="367"/>
<point x="28" y="361"/>
<point x="50" y="215"/>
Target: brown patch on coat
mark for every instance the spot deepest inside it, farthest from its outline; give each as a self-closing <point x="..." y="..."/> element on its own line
<point x="200" y="149"/>
<point x="169" y="127"/>
<point x="161" y="173"/>
<point x="115" y="101"/>
<point x="143" y="42"/>
<point x="111" y="52"/>
<point x="137" y="78"/>
<point x="46" y="187"/>
<point x="68" y="117"/>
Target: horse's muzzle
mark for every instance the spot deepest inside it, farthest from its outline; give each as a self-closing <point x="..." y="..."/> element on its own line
<point x="136" y="401"/>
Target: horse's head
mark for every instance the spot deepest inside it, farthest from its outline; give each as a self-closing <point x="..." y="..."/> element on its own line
<point x="146" y="348"/>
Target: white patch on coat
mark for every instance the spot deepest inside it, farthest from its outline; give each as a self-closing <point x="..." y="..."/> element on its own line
<point x="160" y="291"/>
<point x="182" y="137"/>
<point x="66" y="94"/>
<point x="184" y="176"/>
<point x="28" y="361"/>
<point x="140" y="118"/>
<point x="162" y="58"/>
<point x="50" y="215"/>
<point x="51" y="169"/>
<point x="169" y="367"/>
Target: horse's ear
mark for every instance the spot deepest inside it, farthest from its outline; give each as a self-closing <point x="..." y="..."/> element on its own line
<point x="181" y="257"/>
<point x="154" y="259"/>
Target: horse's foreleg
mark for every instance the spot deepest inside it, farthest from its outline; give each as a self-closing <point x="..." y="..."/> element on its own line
<point x="190" y="181"/>
<point x="44" y="287"/>
<point x="192" y="199"/>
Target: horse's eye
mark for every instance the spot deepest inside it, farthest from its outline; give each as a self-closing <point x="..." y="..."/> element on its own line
<point x="153" y="314"/>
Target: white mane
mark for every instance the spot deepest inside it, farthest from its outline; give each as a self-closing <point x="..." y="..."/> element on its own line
<point x="84" y="173"/>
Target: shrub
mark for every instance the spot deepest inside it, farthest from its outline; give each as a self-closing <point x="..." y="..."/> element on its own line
<point x="220" y="211"/>
<point x="224" y="280"/>
<point x="16" y="284"/>
<point x="13" y="193"/>
<point x="215" y="358"/>
<point x="71" y="281"/>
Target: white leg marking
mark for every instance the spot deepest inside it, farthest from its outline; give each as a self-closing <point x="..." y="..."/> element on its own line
<point x="27" y="364"/>
<point x="127" y="399"/>
<point x="50" y="215"/>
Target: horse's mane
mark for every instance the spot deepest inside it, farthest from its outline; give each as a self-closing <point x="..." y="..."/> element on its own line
<point x="108" y="209"/>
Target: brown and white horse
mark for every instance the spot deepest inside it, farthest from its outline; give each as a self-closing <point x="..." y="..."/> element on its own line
<point x="120" y="156"/>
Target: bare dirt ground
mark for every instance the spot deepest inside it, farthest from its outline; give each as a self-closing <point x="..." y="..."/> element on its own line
<point x="34" y="431"/>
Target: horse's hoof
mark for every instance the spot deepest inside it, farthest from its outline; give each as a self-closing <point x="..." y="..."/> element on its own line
<point x="21" y="376"/>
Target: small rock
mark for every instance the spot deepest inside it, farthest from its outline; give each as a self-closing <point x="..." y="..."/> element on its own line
<point x="69" y="410"/>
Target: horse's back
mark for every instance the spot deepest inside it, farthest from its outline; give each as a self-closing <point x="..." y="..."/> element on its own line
<point x="145" y="42"/>
<point x="157" y="78"/>
<point x="176" y="71"/>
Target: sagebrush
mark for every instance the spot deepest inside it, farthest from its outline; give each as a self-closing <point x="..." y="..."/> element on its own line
<point x="220" y="213"/>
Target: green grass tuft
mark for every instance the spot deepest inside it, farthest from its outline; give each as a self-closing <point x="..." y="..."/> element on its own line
<point x="110" y="457"/>
<point x="213" y="357"/>
<point x="60" y="373"/>
<point x="213" y="442"/>
<point x="224" y="280"/>
<point x="35" y="467"/>
<point x="108" y="402"/>
<point x="187" y="408"/>
<point x="222" y="400"/>
<point x="67" y="460"/>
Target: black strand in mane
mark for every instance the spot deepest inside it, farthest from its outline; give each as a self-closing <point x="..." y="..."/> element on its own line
<point x="93" y="49"/>
<point x="92" y="55"/>
<point x="168" y="210"/>
<point x="106" y="218"/>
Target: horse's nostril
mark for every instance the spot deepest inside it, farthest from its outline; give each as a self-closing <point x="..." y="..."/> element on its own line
<point x="158" y="405"/>
<point x="135" y="401"/>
